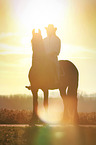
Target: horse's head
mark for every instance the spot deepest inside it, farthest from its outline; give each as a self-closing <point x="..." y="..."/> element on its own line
<point x="37" y="42"/>
<point x="37" y="37"/>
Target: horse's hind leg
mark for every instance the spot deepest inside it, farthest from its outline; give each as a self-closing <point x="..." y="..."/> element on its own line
<point x="64" y="98"/>
<point x="72" y="103"/>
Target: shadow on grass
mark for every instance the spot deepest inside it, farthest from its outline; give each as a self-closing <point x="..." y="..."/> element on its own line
<point x="48" y="135"/>
<point x="38" y="135"/>
<point x="60" y="136"/>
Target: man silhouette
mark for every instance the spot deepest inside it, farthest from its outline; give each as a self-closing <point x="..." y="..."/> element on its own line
<point x="52" y="46"/>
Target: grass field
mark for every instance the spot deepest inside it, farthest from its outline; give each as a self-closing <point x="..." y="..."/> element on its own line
<point x="46" y="135"/>
<point x="8" y="116"/>
<point x="18" y="110"/>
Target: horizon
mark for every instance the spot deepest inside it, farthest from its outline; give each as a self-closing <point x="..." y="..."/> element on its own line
<point x="76" y="27"/>
<point x="52" y="94"/>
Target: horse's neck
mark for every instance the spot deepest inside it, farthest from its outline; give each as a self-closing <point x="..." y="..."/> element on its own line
<point x="38" y="51"/>
<point x="38" y="57"/>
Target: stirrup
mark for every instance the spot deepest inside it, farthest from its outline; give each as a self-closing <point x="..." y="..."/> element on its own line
<point x="28" y="87"/>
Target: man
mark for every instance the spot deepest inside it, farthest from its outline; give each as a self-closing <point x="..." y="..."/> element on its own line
<point x="52" y="46"/>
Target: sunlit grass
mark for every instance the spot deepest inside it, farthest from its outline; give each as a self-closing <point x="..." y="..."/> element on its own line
<point x="46" y="135"/>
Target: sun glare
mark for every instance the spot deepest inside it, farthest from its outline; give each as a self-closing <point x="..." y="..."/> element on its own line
<point x="39" y="14"/>
<point x="53" y="115"/>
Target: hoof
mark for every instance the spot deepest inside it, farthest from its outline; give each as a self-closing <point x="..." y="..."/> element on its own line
<point x="35" y="120"/>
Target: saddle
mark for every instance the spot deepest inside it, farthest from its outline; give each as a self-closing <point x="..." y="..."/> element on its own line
<point x="45" y="75"/>
<point x="48" y="71"/>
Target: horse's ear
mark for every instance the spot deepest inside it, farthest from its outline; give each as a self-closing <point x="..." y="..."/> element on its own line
<point x="33" y="31"/>
<point x="39" y="31"/>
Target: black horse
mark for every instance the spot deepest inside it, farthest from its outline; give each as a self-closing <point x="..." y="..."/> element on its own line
<point x="41" y="76"/>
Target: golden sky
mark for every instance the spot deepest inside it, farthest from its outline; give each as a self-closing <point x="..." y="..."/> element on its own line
<point x="76" y="26"/>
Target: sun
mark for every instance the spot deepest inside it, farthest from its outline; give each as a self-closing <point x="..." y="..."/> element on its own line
<point x="39" y="14"/>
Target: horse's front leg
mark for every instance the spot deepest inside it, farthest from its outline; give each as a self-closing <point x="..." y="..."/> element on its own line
<point x="46" y="99"/>
<point x="35" y="105"/>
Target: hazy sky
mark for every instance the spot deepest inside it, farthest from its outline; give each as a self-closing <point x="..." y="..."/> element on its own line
<point x="76" y="26"/>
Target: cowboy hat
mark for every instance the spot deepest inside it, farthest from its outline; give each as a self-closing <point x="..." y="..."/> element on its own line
<point x="51" y="27"/>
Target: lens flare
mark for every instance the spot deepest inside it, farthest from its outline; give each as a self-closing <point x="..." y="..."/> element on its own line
<point x="52" y="116"/>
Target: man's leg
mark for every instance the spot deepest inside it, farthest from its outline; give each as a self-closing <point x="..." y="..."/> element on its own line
<point x="56" y="70"/>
